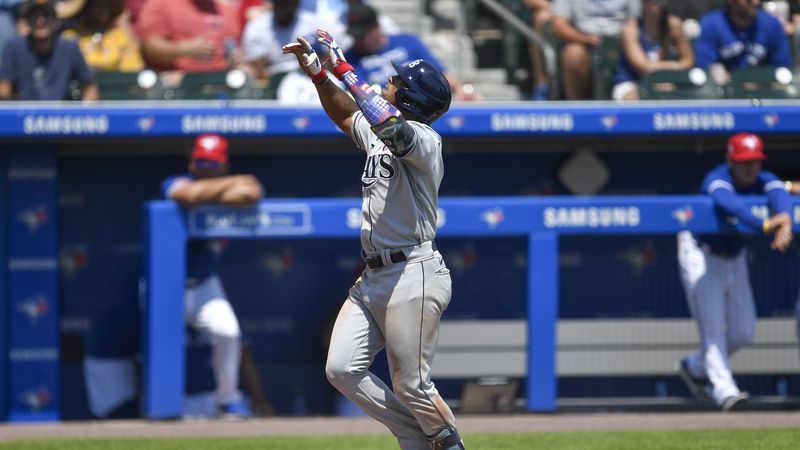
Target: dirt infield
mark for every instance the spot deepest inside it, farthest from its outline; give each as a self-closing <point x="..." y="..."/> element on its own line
<point x="467" y="424"/>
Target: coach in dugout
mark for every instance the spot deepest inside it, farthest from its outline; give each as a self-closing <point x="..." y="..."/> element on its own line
<point x="714" y="272"/>
<point x="41" y="66"/>
<point x="206" y="305"/>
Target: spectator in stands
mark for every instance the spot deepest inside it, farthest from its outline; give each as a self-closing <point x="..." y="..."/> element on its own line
<point x="714" y="272"/>
<point x="206" y="305"/>
<point x="105" y="44"/>
<point x="650" y="43"/>
<point x="738" y="36"/>
<point x="190" y="35"/>
<point x="540" y="16"/>
<point x="582" y="25"/>
<point x="8" y="25"/>
<point x="373" y="51"/>
<point x="265" y="34"/>
<point x="42" y="65"/>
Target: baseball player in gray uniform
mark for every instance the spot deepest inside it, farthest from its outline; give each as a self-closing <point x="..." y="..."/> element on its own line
<point x="399" y="299"/>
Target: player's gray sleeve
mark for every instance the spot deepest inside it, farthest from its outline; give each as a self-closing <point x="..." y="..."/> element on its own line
<point x="426" y="153"/>
<point x="361" y="131"/>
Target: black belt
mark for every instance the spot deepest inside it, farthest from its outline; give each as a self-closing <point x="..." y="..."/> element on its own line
<point x="376" y="262"/>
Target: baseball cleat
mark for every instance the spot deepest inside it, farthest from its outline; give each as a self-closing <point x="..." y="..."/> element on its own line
<point x="233" y="411"/>
<point x="698" y="386"/>
<point x="447" y="439"/>
<point x="734" y="402"/>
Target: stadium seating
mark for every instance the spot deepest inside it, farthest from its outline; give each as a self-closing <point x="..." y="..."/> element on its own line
<point x="144" y="85"/>
<point x="678" y="84"/>
<point x="605" y="60"/>
<point x="763" y="82"/>
<point x="217" y="85"/>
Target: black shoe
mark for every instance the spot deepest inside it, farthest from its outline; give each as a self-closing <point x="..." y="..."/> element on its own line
<point x="734" y="402"/>
<point x="447" y="439"/>
<point x="698" y="386"/>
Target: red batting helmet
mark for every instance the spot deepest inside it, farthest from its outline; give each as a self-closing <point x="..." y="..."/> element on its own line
<point x="745" y="147"/>
<point x="212" y="147"/>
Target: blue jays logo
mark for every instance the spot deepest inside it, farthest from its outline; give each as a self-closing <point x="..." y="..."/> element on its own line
<point x="609" y="122"/>
<point x="73" y="260"/>
<point x="639" y="257"/>
<point x="279" y="264"/>
<point x="33" y="218"/>
<point x="683" y="215"/>
<point x="771" y="120"/>
<point x="146" y="123"/>
<point x="34" y="307"/>
<point x="36" y="398"/>
<point x="456" y="122"/>
<point x="493" y="217"/>
<point x="301" y="123"/>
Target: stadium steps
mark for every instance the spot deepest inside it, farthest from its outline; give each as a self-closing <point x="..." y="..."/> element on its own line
<point x="456" y="51"/>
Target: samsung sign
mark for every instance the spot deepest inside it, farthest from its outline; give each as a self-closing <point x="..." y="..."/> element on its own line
<point x="591" y="217"/>
<point x="532" y="122"/>
<point x="693" y="121"/>
<point x="65" y="125"/>
<point x="223" y="123"/>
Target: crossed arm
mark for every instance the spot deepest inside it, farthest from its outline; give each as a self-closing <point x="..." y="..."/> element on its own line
<point x="233" y="190"/>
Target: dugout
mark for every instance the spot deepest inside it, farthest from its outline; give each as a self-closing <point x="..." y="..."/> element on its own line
<point x="74" y="179"/>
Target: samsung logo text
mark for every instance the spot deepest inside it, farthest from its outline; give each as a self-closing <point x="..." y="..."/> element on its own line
<point x="592" y="217"/>
<point x="66" y="125"/>
<point x="693" y="121"/>
<point x="532" y="122"/>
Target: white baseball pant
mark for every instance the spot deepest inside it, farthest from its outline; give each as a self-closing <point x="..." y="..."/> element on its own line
<point x="206" y="308"/>
<point x="721" y="301"/>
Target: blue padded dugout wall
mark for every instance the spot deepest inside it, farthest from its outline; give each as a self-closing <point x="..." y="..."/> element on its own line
<point x="111" y="159"/>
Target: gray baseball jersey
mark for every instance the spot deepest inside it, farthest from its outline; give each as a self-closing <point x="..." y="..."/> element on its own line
<point x="398" y="306"/>
<point x="410" y="184"/>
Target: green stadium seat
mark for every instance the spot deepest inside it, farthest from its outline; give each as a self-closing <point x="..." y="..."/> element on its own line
<point x="144" y="85"/>
<point x="605" y="60"/>
<point x="217" y="85"/>
<point x="270" y="91"/>
<point x="763" y="82"/>
<point x="685" y="84"/>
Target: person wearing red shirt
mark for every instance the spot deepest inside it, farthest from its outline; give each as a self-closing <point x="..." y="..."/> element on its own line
<point x="190" y="35"/>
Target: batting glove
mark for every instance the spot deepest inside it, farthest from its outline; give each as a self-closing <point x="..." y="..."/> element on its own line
<point x="308" y="59"/>
<point x="340" y="65"/>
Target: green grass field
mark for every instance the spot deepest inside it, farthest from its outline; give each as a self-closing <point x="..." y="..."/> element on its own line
<point x="750" y="439"/>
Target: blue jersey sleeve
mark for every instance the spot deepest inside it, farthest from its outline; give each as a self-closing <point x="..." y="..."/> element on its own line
<point x="724" y="196"/>
<point x="779" y="52"/>
<point x="169" y="183"/>
<point x="776" y="193"/>
<point x="705" y="46"/>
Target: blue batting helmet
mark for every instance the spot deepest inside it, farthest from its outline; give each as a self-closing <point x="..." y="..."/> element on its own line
<point x="426" y="94"/>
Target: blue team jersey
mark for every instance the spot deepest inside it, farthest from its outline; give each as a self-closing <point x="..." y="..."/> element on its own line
<point x="202" y="256"/>
<point x="43" y="77"/>
<point x="401" y="48"/>
<point x="762" y="44"/>
<point x="720" y="186"/>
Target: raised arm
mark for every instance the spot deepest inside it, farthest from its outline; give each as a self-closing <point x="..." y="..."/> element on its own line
<point x="339" y="106"/>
